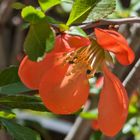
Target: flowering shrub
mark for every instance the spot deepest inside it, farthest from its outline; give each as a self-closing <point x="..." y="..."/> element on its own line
<point x="61" y="58"/>
<point x="62" y="76"/>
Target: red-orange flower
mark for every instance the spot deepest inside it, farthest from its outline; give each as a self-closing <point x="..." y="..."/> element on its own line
<point x="114" y="42"/>
<point x="62" y="77"/>
<point x="113" y="104"/>
<point x="64" y="93"/>
<point x="32" y="72"/>
<point x="60" y="91"/>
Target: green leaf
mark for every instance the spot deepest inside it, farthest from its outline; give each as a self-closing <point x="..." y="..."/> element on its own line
<point x="84" y="8"/>
<point x="40" y="39"/>
<point x="46" y="4"/>
<point x="9" y="75"/>
<point x="75" y="30"/>
<point x="22" y="102"/>
<point x="50" y="42"/>
<point x="102" y="9"/>
<point x="25" y="25"/>
<point x="19" y="132"/>
<point x="7" y="114"/>
<point x="10" y="82"/>
<point x="80" y="10"/>
<point x="14" y="88"/>
<point x="52" y="20"/>
<point x="96" y="136"/>
<point x="32" y="15"/>
<point x="93" y="114"/>
<point x="63" y="27"/>
<point x="18" y="5"/>
<point x="132" y="109"/>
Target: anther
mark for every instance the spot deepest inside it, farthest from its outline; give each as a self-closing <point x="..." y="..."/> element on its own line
<point x="85" y="59"/>
<point x="71" y="62"/>
<point x="88" y="71"/>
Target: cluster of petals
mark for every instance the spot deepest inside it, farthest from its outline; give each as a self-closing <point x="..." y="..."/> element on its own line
<point x="64" y="93"/>
<point x="60" y="93"/>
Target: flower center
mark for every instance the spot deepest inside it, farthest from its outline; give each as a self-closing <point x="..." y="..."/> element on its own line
<point x="86" y="59"/>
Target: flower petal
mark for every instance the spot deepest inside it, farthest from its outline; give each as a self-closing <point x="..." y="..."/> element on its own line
<point x="113" y="41"/>
<point x="60" y="45"/>
<point x="63" y="93"/>
<point x="95" y="125"/>
<point x="31" y="72"/>
<point x="76" y="41"/>
<point x="113" y="104"/>
<point x="66" y="42"/>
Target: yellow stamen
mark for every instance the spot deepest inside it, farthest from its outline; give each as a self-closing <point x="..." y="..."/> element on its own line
<point x="86" y="58"/>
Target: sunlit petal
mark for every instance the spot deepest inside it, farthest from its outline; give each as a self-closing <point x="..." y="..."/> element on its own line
<point x="60" y="45"/>
<point x="66" y="42"/>
<point x="62" y="93"/>
<point x="114" y="42"/>
<point x="31" y="72"/>
<point x="76" y="41"/>
<point x="113" y="104"/>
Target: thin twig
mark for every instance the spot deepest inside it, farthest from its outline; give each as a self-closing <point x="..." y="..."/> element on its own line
<point x="102" y="22"/>
<point x="77" y="132"/>
<point x="132" y="81"/>
<point x="110" y="22"/>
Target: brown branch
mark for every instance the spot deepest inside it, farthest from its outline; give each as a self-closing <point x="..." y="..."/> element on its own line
<point x="76" y="132"/>
<point x="2" y="50"/>
<point x="132" y="81"/>
<point x="5" y="10"/>
<point x="81" y="129"/>
<point x="102" y="22"/>
<point x="110" y="22"/>
<point x="17" y="45"/>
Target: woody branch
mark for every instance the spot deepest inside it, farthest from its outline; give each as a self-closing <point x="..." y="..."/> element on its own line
<point x="102" y="22"/>
<point x="110" y="22"/>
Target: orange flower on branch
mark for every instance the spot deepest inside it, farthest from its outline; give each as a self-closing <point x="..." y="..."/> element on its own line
<point x="60" y="93"/>
<point x="32" y="72"/>
<point x="62" y="77"/>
